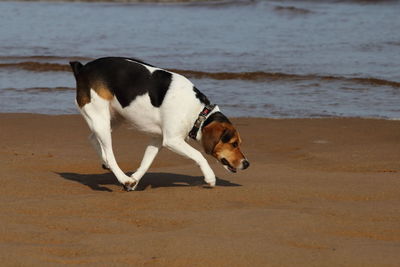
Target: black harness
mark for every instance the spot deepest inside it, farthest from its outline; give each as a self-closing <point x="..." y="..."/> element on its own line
<point x="202" y="117"/>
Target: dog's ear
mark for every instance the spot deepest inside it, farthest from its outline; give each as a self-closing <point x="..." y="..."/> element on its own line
<point x="227" y="134"/>
<point x="211" y="135"/>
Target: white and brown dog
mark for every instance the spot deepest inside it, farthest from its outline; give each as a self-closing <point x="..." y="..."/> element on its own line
<point x="163" y="104"/>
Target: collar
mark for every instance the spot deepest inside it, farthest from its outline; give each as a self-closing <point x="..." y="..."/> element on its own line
<point x="207" y="110"/>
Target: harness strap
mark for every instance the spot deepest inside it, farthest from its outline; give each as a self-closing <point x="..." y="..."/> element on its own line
<point x="202" y="117"/>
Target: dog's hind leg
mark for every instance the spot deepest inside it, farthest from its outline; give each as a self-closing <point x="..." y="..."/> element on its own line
<point x="96" y="145"/>
<point x="97" y="115"/>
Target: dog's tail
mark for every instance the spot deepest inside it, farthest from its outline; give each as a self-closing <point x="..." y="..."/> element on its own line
<point x="76" y="67"/>
<point x="82" y="90"/>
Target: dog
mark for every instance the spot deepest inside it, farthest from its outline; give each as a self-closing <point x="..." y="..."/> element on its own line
<point x="163" y="104"/>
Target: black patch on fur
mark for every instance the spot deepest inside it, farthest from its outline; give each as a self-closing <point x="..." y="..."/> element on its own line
<point x="203" y="99"/>
<point x="127" y="80"/>
<point x="217" y="116"/>
<point x="161" y="81"/>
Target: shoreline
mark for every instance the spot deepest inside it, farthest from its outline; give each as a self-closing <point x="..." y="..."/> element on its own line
<point x="231" y="117"/>
<point x="322" y="190"/>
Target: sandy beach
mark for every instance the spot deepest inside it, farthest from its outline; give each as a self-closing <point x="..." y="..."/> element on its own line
<point x="319" y="192"/>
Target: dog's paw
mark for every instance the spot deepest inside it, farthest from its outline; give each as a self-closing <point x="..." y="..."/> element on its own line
<point x="105" y="167"/>
<point x="210" y="183"/>
<point x="130" y="185"/>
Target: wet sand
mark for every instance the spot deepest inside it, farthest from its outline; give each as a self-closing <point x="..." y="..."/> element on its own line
<point x="319" y="192"/>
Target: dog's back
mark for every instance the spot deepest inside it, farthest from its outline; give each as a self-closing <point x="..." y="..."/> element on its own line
<point x="137" y="91"/>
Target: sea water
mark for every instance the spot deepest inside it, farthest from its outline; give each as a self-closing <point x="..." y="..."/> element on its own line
<point x="279" y="59"/>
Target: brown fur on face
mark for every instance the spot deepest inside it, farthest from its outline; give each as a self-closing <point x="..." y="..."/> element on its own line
<point x="222" y="140"/>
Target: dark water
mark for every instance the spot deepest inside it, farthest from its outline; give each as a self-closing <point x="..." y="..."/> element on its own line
<point x="253" y="58"/>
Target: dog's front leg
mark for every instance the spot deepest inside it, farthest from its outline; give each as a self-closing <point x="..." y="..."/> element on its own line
<point x="181" y="147"/>
<point x="149" y="155"/>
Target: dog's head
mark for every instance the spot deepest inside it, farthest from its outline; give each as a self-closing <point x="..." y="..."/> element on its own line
<point x="221" y="140"/>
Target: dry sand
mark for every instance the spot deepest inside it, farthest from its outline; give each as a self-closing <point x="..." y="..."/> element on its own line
<point x="319" y="192"/>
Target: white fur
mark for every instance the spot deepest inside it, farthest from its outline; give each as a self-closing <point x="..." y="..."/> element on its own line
<point x="168" y="125"/>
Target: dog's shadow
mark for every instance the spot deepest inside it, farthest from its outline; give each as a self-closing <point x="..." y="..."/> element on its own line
<point x="99" y="182"/>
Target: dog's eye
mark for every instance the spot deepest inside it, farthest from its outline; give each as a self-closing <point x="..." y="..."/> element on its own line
<point x="235" y="144"/>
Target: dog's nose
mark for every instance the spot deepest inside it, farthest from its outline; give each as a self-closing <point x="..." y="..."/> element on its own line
<point x="246" y="164"/>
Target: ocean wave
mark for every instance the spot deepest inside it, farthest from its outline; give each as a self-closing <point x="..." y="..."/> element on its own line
<point x="292" y="10"/>
<point x="40" y="89"/>
<point x="246" y="76"/>
<point x="43" y="58"/>
<point x="36" y="66"/>
<point x="275" y="76"/>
